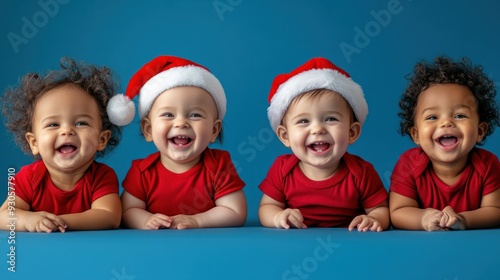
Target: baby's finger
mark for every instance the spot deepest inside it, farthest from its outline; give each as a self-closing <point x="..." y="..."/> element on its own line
<point x="449" y="210"/>
<point x="295" y="221"/>
<point x="184" y="226"/>
<point x="365" y="224"/>
<point x="354" y="223"/>
<point x="49" y="224"/>
<point x="376" y="227"/>
<point x="60" y="226"/>
<point x="42" y="227"/>
<point x="435" y="227"/>
<point x="444" y="220"/>
<point x="56" y="220"/>
<point x="164" y="222"/>
<point x="451" y="222"/>
<point x="298" y="218"/>
<point x="283" y="222"/>
<point x="163" y="218"/>
<point x="153" y="224"/>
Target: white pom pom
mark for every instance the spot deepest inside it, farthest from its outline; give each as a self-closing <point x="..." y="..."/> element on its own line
<point x="121" y="110"/>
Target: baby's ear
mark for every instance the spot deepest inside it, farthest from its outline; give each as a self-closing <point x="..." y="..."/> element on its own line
<point x="414" y="135"/>
<point x="103" y="139"/>
<point x="216" y="130"/>
<point x="146" y="129"/>
<point x="482" y="129"/>
<point x="30" y="137"/>
<point x="354" y="132"/>
<point x="282" y="134"/>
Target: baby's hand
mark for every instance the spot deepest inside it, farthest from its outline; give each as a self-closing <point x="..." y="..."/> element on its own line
<point x="44" y="222"/>
<point x="184" y="222"/>
<point x="157" y="221"/>
<point x="289" y="217"/>
<point x="365" y="223"/>
<point x="431" y="220"/>
<point x="451" y="219"/>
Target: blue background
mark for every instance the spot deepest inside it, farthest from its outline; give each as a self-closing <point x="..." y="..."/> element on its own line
<point x="246" y="44"/>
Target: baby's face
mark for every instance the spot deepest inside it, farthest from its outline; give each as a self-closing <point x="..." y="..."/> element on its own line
<point x="318" y="130"/>
<point x="181" y="123"/>
<point x="66" y="129"/>
<point x="447" y="123"/>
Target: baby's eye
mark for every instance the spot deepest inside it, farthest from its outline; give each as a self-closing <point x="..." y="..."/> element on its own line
<point x="167" y="115"/>
<point x="331" y="119"/>
<point x="460" y="116"/>
<point x="303" y="121"/>
<point x="81" y="123"/>
<point x="431" y="118"/>
<point x="195" y="115"/>
<point x="52" y="125"/>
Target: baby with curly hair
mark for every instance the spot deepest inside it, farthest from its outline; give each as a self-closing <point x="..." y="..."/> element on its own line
<point x="447" y="182"/>
<point x="61" y="119"/>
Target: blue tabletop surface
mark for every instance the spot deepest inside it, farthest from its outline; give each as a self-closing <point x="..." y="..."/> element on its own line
<point x="253" y="252"/>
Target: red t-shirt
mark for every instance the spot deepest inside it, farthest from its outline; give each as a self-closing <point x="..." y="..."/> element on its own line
<point x="414" y="177"/>
<point x="192" y="192"/>
<point x="333" y="202"/>
<point x="34" y="186"/>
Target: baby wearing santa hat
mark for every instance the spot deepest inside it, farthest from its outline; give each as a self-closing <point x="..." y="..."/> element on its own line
<point x="317" y="110"/>
<point x="185" y="184"/>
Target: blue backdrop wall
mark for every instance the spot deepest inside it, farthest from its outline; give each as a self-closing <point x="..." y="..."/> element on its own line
<point x="245" y="44"/>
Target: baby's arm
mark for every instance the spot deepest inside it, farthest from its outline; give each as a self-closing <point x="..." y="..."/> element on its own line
<point x="105" y="213"/>
<point x="230" y="210"/>
<point x="487" y="216"/>
<point x="376" y="219"/>
<point x="136" y="216"/>
<point x="405" y="214"/>
<point x="273" y="214"/>
<point x="25" y="220"/>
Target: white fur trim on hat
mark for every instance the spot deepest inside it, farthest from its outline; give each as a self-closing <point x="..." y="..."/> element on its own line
<point x="181" y="76"/>
<point x="121" y="110"/>
<point x="317" y="79"/>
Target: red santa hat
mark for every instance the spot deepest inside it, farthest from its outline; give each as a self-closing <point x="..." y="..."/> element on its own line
<point x="157" y="76"/>
<point x="317" y="73"/>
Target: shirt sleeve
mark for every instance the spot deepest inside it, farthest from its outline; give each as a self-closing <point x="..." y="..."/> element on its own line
<point x="22" y="185"/>
<point x="373" y="192"/>
<point x="226" y="178"/>
<point x="402" y="180"/>
<point x="105" y="181"/>
<point x="492" y="176"/>
<point x="133" y="181"/>
<point x="273" y="185"/>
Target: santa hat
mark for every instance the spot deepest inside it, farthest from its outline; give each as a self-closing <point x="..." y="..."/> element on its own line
<point x="157" y="76"/>
<point x="317" y="73"/>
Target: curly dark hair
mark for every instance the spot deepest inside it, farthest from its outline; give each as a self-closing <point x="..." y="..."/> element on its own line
<point x="18" y="103"/>
<point x="446" y="71"/>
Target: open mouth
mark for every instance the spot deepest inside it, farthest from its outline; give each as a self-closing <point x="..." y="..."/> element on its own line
<point x="66" y="149"/>
<point x="180" y="140"/>
<point x="447" y="140"/>
<point x="319" y="146"/>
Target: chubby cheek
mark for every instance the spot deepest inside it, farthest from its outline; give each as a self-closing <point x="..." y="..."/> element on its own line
<point x="159" y="131"/>
<point x="425" y="134"/>
<point x="297" y="138"/>
<point x="45" y="141"/>
<point x="340" y="137"/>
